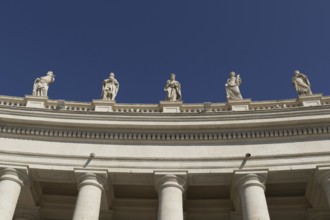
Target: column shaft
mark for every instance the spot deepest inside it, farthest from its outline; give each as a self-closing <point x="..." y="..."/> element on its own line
<point x="253" y="199"/>
<point x="89" y="198"/>
<point x="170" y="190"/>
<point x="10" y="188"/>
<point x="9" y="194"/>
<point x="254" y="203"/>
<point x="170" y="204"/>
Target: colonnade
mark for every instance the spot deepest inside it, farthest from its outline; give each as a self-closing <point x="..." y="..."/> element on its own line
<point x="249" y="185"/>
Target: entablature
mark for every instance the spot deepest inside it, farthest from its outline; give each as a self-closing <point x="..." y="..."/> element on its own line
<point x="205" y="127"/>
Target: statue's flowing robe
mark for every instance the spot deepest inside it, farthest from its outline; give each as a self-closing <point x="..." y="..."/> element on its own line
<point x="232" y="88"/>
<point x="302" y="84"/>
<point x="41" y="84"/>
<point x="173" y="89"/>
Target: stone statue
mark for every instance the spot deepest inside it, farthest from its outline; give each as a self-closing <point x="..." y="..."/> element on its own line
<point x="110" y="88"/>
<point x="232" y="87"/>
<point x="301" y="83"/>
<point x="41" y="84"/>
<point x="173" y="89"/>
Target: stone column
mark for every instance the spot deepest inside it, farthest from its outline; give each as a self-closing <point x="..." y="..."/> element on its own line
<point x="251" y="187"/>
<point x="170" y="189"/>
<point x="11" y="183"/>
<point x="323" y="176"/>
<point x="91" y="186"/>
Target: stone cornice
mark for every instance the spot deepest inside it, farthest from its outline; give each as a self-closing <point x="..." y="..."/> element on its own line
<point x="115" y="127"/>
<point x="162" y="137"/>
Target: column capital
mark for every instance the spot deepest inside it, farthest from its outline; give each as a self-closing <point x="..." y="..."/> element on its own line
<point x="245" y="178"/>
<point x="165" y="179"/>
<point x="248" y="193"/>
<point x="96" y="178"/>
<point x="19" y="175"/>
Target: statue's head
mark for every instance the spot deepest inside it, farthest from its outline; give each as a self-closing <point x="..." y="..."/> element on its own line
<point x="50" y="73"/>
<point x="172" y="76"/>
<point x="296" y="72"/>
<point x="232" y="74"/>
<point x="111" y="75"/>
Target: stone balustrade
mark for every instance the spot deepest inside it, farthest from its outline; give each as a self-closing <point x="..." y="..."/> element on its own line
<point x="243" y="105"/>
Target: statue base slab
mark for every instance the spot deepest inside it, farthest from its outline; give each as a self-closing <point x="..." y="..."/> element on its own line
<point x="103" y="105"/>
<point x="239" y="105"/>
<point x="171" y="107"/>
<point x="35" y="101"/>
<point x="310" y="100"/>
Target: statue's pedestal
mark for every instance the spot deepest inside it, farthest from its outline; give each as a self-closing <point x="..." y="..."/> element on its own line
<point x="239" y="105"/>
<point x="310" y="100"/>
<point x="207" y="106"/>
<point x="36" y="101"/>
<point x="171" y="107"/>
<point x="103" y="105"/>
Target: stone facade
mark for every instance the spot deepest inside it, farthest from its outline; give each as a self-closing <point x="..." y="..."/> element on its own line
<point x="66" y="160"/>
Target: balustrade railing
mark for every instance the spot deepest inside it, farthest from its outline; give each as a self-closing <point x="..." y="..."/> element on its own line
<point x="197" y="108"/>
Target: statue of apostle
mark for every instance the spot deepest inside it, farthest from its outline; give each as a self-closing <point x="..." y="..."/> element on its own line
<point x="41" y="84"/>
<point x="173" y="89"/>
<point x="110" y="88"/>
<point x="232" y="87"/>
<point x="301" y="83"/>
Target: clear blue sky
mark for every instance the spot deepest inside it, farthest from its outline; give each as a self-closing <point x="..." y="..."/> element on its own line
<point x="144" y="41"/>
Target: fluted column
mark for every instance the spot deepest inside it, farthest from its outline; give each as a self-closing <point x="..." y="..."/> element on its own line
<point x="11" y="183"/>
<point x="91" y="186"/>
<point x="170" y="189"/>
<point x="251" y="187"/>
<point x="323" y="177"/>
